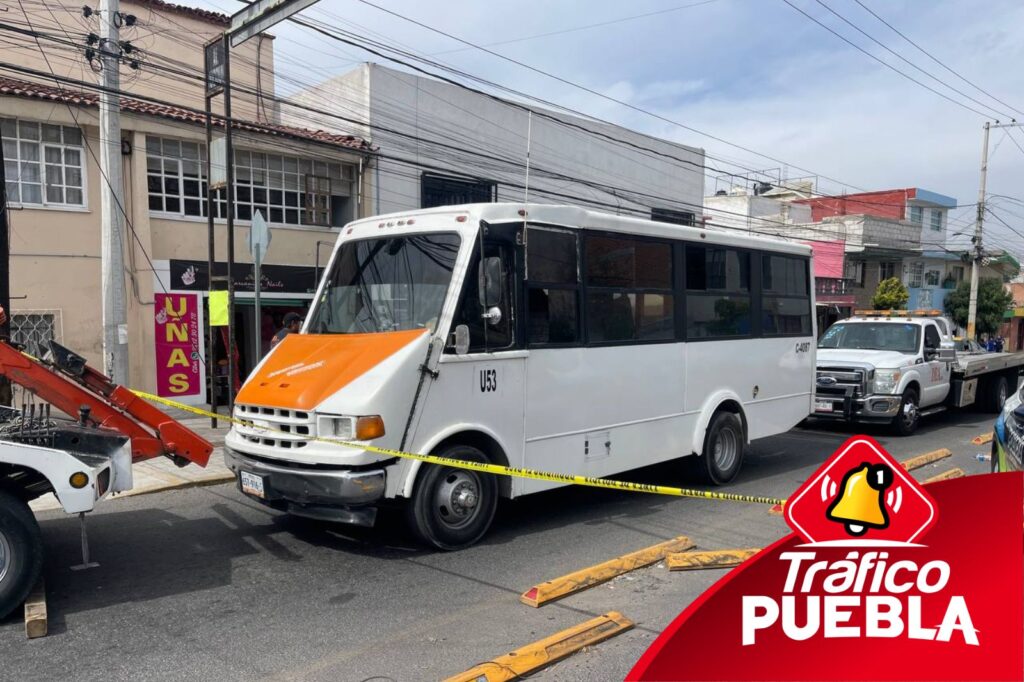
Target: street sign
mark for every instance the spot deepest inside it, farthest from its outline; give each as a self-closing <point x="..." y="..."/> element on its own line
<point x="214" y="62"/>
<point x="261" y="15"/>
<point x="218" y="162"/>
<point x="259" y="237"/>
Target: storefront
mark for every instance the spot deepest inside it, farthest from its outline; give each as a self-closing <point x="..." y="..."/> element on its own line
<point x="182" y="314"/>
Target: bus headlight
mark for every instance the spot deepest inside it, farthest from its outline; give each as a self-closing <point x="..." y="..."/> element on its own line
<point x="886" y="381"/>
<point x="335" y="426"/>
<point x="350" y="428"/>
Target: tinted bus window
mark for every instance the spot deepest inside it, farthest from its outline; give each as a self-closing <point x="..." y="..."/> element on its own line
<point x="717" y="292"/>
<point x="553" y="290"/>
<point x="629" y="290"/>
<point x="786" y="297"/>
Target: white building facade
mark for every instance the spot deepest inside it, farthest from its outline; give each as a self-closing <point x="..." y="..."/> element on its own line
<point x="443" y="144"/>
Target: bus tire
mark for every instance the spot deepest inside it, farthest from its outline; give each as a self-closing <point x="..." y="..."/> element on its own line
<point x="453" y="508"/>
<point x="724" y="445"/>
<point x="21" y="552"/>
<point x="905" y="423"/>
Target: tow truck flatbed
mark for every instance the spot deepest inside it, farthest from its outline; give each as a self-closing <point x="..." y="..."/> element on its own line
<point x="975" y="364"/>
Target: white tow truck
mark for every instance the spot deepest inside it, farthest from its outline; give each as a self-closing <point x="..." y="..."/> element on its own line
<point x="894" y="367"/>
<point x="81" y="461"/>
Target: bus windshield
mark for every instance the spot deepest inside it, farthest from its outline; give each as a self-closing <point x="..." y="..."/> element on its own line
<point x="902" y="338"/>
<point x="384" y="285"/>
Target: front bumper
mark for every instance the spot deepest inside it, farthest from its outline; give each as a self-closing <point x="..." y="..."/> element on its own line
<point x="871" y="408"/>
<point x="329" y="494"/>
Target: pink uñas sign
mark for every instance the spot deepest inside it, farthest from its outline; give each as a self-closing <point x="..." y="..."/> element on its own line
<point x="178" y="371"/>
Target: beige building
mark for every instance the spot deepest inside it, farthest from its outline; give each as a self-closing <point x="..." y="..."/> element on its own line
<point x="306" y="183"/>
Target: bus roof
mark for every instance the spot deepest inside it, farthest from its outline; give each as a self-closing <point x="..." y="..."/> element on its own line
<point x="575" y="217"/>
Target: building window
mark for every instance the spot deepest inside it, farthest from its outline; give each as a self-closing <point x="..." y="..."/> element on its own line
<point x="287" y="190"/>
<point x="785" y="296"/>
<point x="931" y="278"/>
<point x="43" y="163"/>
<point x="438" y="190"/>
<point x="887" y="270"/>
<point x="717" y="292"/>
<point x="552" y="298"/>
<point x="35" y="330"/>
<point x="957" y="272"/>
<point x="936" y="220"/>
<point x="916" y="274"/>
<point x="667" y="215"/>
<point x="854" y="270"/>
<point x="916" y="214"/>
<point x="629" y="290"/>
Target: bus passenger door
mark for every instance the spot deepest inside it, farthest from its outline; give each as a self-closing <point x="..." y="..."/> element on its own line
<point x="482" y="389"/>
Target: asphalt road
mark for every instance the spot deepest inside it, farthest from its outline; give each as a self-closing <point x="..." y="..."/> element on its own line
<point x="205" y="584"/>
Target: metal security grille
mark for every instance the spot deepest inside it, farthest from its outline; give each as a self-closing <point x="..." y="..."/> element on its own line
<point x="35" y="329"/>
<point x="439" y="190"/>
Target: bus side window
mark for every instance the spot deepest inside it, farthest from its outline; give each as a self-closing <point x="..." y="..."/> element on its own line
<point x="552" y="292"/>
<point x="718" y="301"/>
<point x="498" y="336"/>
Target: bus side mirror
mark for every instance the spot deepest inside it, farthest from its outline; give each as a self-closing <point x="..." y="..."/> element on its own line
<point x="461" y="339"/>
<point x="490" y="282"/>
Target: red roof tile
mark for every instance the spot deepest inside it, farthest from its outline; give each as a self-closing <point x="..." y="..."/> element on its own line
<point x="19" y="88"/>
<point x="203" y="14"/>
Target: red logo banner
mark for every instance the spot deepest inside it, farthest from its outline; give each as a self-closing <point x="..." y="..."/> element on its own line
<point x="875" y="584"/>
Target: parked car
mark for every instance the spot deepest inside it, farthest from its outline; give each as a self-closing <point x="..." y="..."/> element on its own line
<point x="1008" y="442"/>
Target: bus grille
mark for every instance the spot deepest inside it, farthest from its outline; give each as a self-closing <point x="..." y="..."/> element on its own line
<point x="281" y="428"/>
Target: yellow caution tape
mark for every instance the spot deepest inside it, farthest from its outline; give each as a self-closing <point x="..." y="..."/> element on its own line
<point x="484" y="467"/>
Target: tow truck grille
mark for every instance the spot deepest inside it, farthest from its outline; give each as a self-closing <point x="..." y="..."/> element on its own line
<point x="835" y="381"/>
<point x="281" y="428"/>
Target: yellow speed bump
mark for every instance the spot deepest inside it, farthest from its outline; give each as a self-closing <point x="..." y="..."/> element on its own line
<point x="533" y="657"/>
<point x="982" y="439"/>
<point x="548" y="591"/>
<point x="946" y="475"/>
<point x="723" y="558"/>
<point x="926" y="458"/>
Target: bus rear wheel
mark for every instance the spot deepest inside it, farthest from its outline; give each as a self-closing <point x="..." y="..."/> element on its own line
<point x="724" y="445"/>
<point x="453" y="508"/>
<point x="21" y="552"/>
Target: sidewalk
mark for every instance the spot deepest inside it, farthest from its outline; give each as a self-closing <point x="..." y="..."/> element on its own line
<point x="161" y="474"/>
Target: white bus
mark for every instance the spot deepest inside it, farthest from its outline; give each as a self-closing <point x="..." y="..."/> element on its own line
<point x="547" y="337"/>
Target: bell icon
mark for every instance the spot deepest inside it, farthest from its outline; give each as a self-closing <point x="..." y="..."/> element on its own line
<point x="860" y="504"/>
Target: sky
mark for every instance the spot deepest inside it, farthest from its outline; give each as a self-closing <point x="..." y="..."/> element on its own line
<point x="754" y="73"/>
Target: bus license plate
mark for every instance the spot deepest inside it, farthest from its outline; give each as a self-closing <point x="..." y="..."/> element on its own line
<point x="252" y="484"/>
<point x="822" y="405"/>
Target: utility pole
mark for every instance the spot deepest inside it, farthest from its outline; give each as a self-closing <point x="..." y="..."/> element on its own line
<point x="979" y="253"/>
<point x="115" y="317"/>
<point x="972" y="309"/>
<point x="5" y="277"/>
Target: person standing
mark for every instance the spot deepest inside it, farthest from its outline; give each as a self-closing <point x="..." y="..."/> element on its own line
<point x="292" y="324"/>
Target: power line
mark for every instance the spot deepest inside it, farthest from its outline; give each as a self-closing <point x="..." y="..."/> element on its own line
<point x="935" y="59"/>
<point x="880" y="61"/>
<point x="592" y="91"/>
<point x="905" y="60"/>
<point x="582" y="28"/>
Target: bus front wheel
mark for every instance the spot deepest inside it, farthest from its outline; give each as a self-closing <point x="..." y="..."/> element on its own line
<point x="452" y="508"/>
<point x="723" y="449"/>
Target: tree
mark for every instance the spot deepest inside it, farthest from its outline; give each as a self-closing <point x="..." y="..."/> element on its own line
<point x="993" y="300"/>
<point x="890" y="295"/>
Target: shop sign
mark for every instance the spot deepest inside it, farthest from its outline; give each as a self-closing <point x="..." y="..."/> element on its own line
<point x="178" y="370"/>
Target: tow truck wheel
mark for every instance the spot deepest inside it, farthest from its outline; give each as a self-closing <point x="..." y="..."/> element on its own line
<point x="906" y="422"/>
<point x="999" y="391"/>
<point x="21" y="552"/>
<point x="723" y="449"/>
<point x="453" y="508"/>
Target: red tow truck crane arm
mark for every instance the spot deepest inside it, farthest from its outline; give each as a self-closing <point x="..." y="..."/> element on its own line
<point x="65" y="381"/>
